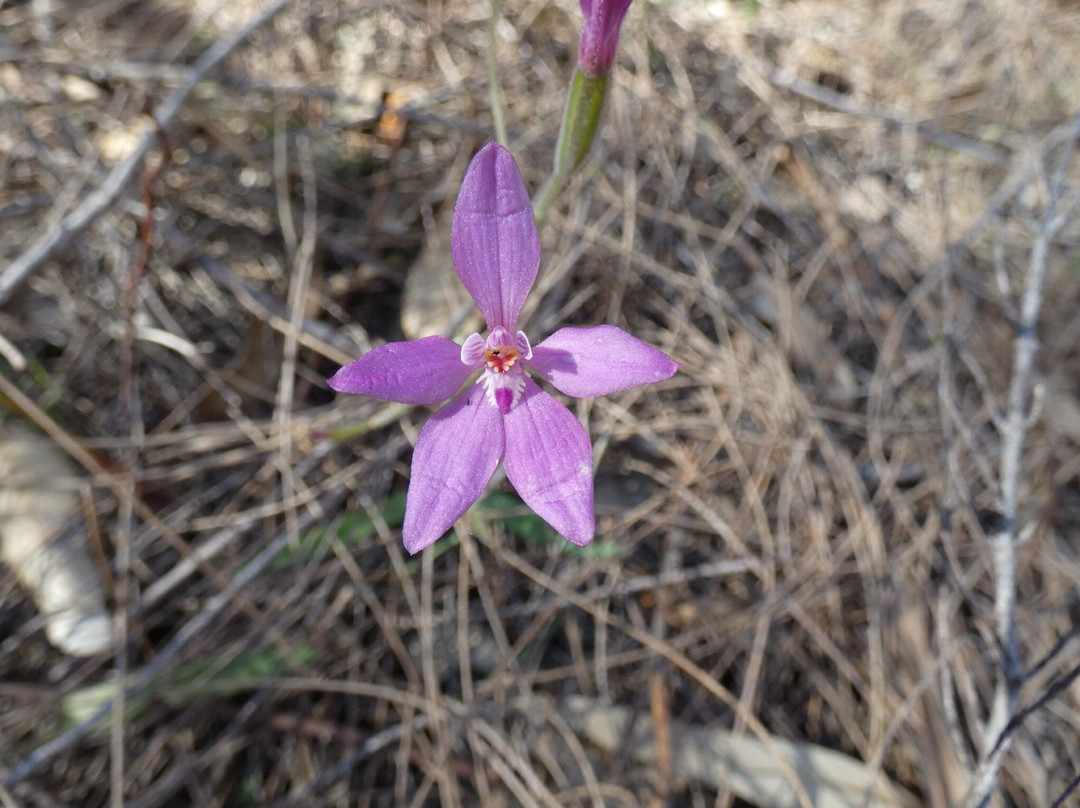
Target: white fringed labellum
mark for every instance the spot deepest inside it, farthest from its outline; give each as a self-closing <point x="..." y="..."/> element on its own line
<point x="43" y="539"/>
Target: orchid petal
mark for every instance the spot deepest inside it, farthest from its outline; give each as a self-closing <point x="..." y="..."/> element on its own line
<point x="587" y="362"/>
<point x="472" y="350"/>
<point x="423" y="371"/>
<point x="455" y="455"/>
<point x="521" y="342"/>
<point x="548" y="460"/>
<point x="494" y="242"/>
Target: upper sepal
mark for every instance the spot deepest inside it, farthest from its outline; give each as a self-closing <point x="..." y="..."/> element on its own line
<point x="494" y="242"/>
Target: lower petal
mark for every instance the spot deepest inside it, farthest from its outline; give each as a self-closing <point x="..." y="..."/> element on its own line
<point x="455" y="456"/>
<point x="548" y="460"/>
<point x="423" y="371"/>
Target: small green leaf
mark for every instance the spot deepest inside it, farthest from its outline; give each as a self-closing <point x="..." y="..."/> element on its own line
<point x="517" y="519"/>
<point x="352" y="529"/>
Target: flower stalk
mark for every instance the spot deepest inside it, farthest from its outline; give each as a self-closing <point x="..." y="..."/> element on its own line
<point x="581" y="121"/>
<point x="586" y="97"/>
<point x="494" y="88"/>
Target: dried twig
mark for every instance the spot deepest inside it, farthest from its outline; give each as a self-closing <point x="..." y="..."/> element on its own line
<point x="380" y="740"/>
<point x="101" y="200"/>
<point x="192" y="630"/>
<point x="1014" y="430"/>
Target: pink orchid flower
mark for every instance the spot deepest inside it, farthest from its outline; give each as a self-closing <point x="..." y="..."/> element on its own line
<point x="544" y="448"/>
<point x="600" y="34"/>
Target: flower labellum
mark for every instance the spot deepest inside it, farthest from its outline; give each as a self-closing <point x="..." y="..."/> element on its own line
<point x="505" y="415"/>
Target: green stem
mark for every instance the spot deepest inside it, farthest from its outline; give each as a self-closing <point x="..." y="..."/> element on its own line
<point x="547" y="196"/>
<point x="493" y="80"/>
<point x="581" y="120"/>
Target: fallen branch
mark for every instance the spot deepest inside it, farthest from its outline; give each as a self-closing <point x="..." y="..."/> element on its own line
<point x="1014" y="428"/>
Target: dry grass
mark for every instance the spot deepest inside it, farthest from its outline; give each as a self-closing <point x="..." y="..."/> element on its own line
<point x="825" y="211"/>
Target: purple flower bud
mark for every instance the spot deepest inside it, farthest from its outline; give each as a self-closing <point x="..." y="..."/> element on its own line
<point x="600" y="34"/>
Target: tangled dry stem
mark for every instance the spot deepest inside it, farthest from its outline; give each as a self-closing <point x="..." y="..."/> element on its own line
<point x="853" y="224"/>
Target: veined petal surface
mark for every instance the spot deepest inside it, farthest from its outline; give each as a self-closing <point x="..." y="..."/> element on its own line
<point x="423" y="371"/>
<point x="494" y="242"/>
<point x="548" y="460"/>
<point x="455" y="455"/>
<point x="596" y="361"/>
